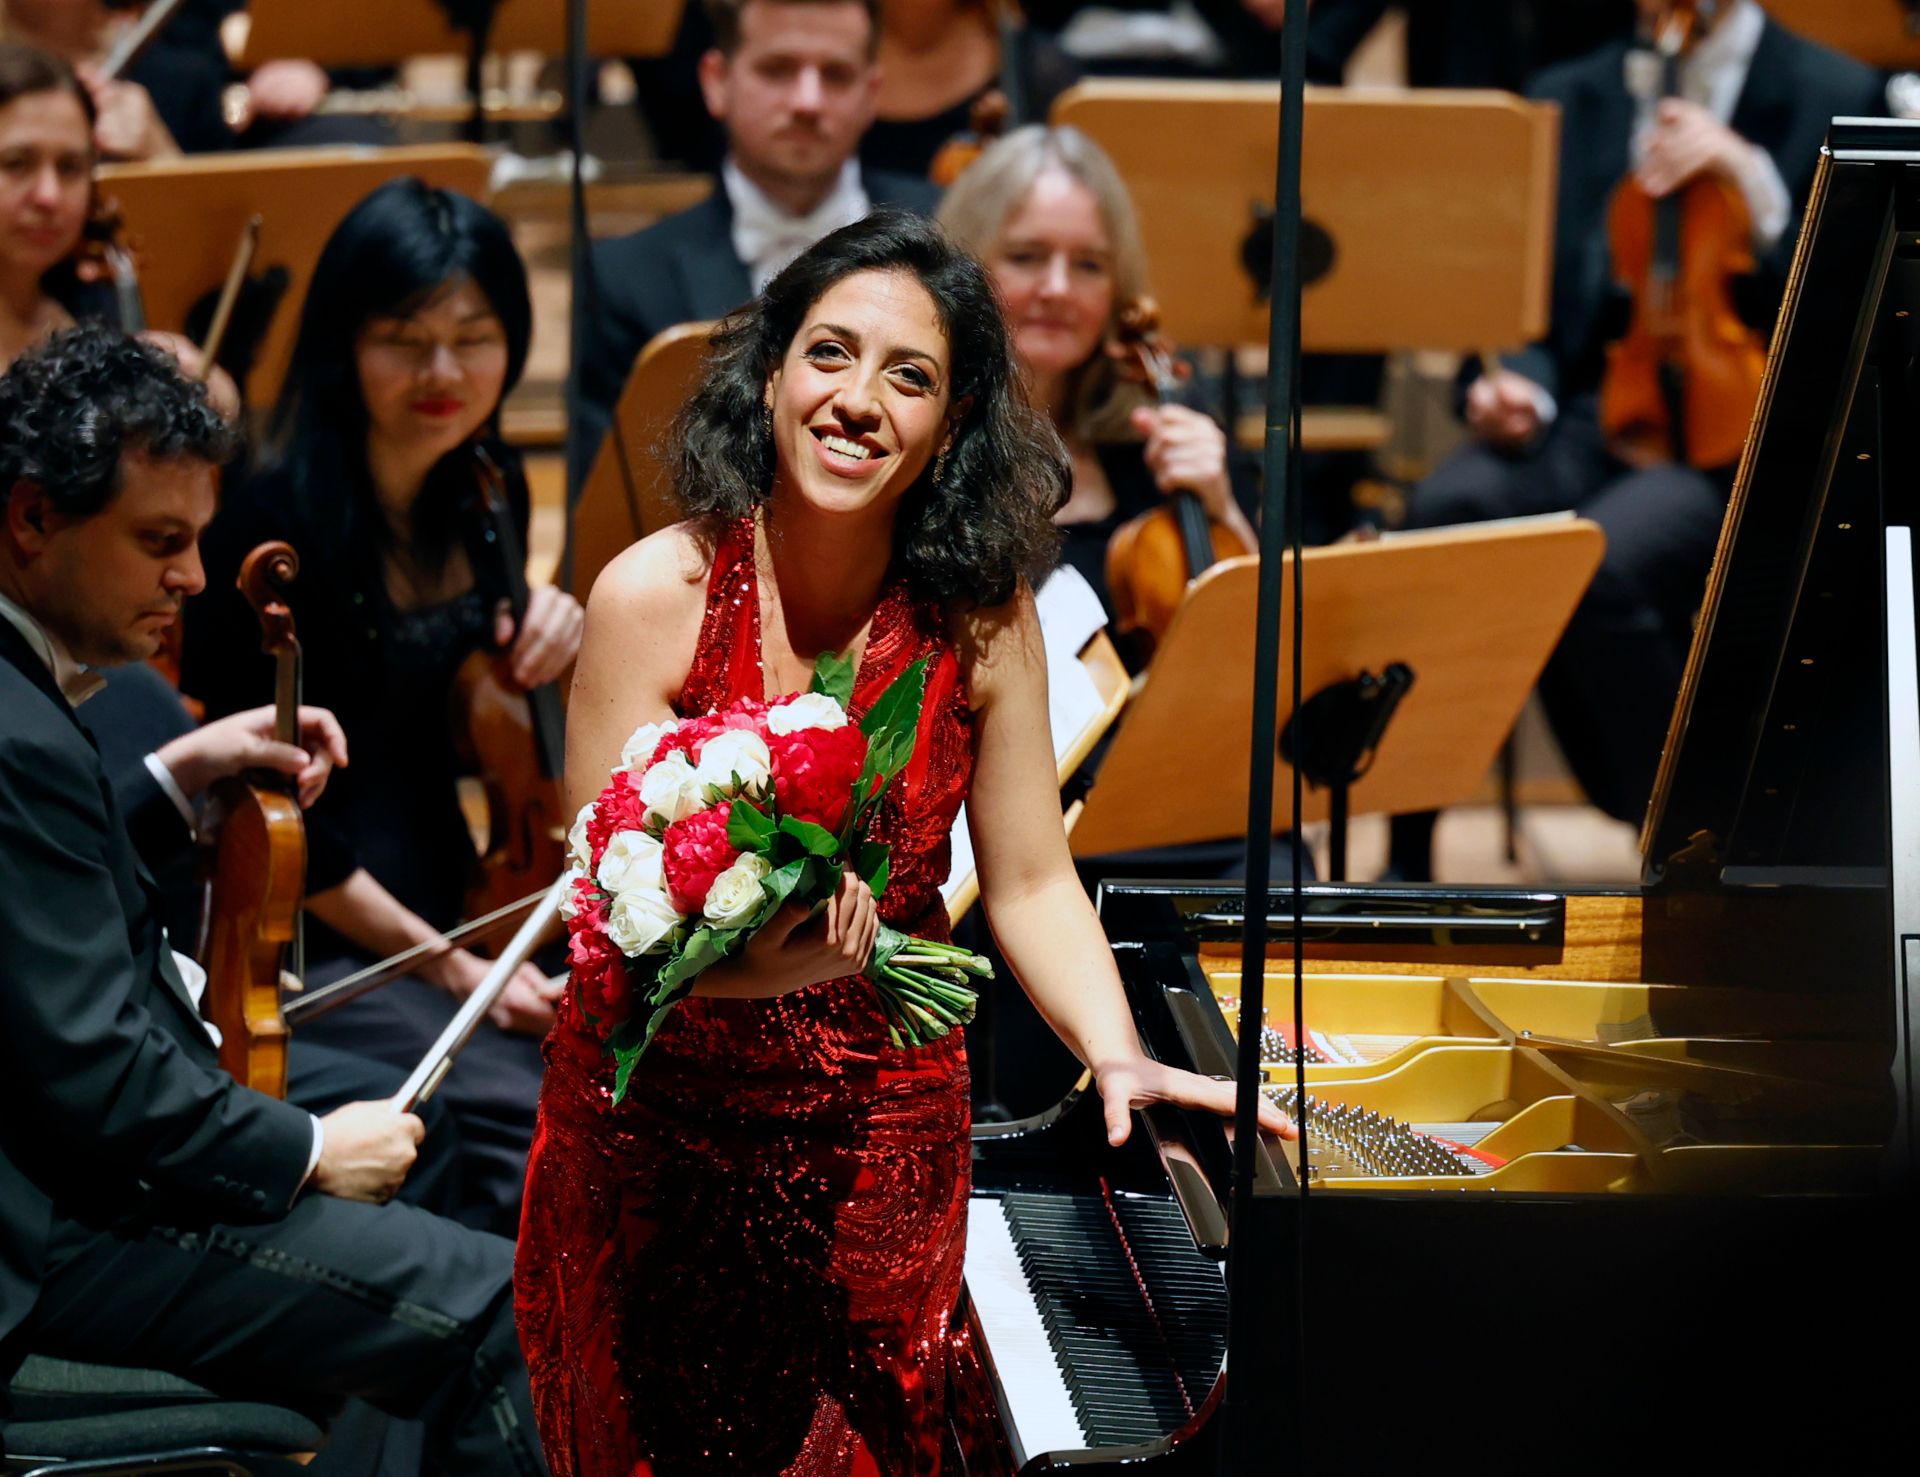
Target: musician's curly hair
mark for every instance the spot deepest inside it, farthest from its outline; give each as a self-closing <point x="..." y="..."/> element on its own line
<point x="72" y="406"/>
<point x="989" y="521"/>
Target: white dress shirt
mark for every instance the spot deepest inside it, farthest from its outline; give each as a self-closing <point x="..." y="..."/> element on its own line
<point x="78" y="682"/>
<point x="1714" y="74"/>
<point x="767" y="238"/>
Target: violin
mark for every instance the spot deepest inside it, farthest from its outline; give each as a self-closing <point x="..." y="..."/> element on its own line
<point x="513" y="743"/>
<point x="258" y="870"/>
<point x="987" y="121"/>
<point x="1152" y="559"/>
<point x="1682" y="384"/>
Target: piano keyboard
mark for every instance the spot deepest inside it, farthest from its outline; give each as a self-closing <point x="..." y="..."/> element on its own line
<point x="1104" y="1324"/>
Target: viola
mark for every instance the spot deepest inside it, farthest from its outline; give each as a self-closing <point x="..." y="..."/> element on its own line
<point x="987" y="121"/>
<point x="1152" y="559"/>
<point x="1683" y="383"/>
<point x="258" y="868"/>
<point x="512" y="742"/>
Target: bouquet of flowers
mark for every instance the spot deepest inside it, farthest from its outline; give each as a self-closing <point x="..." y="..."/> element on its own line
<point x="711" y="824"/>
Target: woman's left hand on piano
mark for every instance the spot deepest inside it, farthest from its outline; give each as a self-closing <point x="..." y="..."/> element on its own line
<point x="1135" y="1083"/>
<point x="548" y="637"/>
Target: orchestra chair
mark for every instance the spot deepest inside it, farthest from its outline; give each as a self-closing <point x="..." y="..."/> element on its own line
<point x="1087" y="686"/>
<point x="627" y="494"/>
<point x="95" y="1420"/>
<point x="362" y="33"/>
<point x="184" y="219"/>
<point x="1881" y="33"/>
<point x="1474" y="611"/>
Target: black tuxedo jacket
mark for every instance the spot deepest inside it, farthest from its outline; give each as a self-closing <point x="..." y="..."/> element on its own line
<point x="111" y="1096"/>
<point x="1793" y="89"/>
<point x="679" y="270"/>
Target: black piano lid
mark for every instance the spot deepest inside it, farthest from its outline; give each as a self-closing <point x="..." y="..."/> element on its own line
<point x="1776" y="764"/>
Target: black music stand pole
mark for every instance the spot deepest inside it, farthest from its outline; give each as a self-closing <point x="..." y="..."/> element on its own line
<point x="1250" y="1438"/>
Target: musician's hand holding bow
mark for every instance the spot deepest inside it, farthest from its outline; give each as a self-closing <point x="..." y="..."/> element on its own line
<point x="1134" y="1082"/>
<point x="126" y="124"/>
<point x="367" y="1150"/>
<point x="288" y="88"/>
<point x="245" y="740"/>
<point x="1504" y="409"/>
<point x="1686" y="142"/>
<point x="548" y="637"/>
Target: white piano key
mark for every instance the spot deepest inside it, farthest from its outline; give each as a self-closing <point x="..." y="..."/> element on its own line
<point x="1038" y="1404"/>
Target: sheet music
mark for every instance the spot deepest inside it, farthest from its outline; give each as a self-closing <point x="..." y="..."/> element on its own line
<point x="1070" y="613"/>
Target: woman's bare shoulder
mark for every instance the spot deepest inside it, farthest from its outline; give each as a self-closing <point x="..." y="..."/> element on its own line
<point x="662" y="576"/>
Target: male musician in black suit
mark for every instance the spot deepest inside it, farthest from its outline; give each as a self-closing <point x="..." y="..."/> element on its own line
<point x="793" y="82"/>
<point x="153" y="1212"/>
<point x="1754" y="105"/>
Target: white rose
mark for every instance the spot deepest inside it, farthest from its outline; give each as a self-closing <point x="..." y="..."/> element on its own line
<point x="738" y="751"/>
<point x="736" y="893"/>
<point x="578" y="852"/>
<point x="670" y="790"/>
<point x="645" y="739"/>
<point x="640" y="920"/>
<point x="570" y="898"/>
<point x="809" y="710"/>
<point x="632" y="859"/>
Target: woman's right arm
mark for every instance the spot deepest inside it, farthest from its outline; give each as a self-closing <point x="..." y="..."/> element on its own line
<point x="643" y="622"/>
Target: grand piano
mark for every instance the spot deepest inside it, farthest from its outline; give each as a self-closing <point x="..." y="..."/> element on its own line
<point x="1592" y="1179"/>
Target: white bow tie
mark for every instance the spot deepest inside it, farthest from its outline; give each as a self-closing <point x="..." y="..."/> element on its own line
<point x="766" y="238"/>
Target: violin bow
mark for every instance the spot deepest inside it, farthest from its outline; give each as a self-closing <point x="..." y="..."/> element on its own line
<point x="425" y="1078"/>
<point x="131" y="44"/>
<point x="229" y="294"/>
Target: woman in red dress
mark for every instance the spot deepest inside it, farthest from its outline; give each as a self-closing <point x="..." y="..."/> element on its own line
<point x="750" y="1265"/>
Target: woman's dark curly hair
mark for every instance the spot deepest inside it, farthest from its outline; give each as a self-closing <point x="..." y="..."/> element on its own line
<point x="990" y="520"/>
<point x="72" y="406"/>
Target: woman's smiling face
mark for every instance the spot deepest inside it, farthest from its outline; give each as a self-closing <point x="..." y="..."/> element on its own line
<point x="860" y="400"/>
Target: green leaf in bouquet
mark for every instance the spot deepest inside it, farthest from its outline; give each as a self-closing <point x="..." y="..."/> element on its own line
<point x="833" y="675"/>
<point x="886" y="943"/>
<point x="814" y="840"/>
<point x="872" y="865"/>
<point x="704" y="948"/>
<point x="779" y="885"/>
<point x="749" y="827"/>
<point x="898" y="708"/>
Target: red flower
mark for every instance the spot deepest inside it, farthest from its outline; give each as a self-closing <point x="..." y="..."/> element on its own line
<point x="697" y="851"/>
<point x="692" y="735"/>
<point x="814" y="770"/>
<point x="606" y="994"/>
<point x="619" y="808"/>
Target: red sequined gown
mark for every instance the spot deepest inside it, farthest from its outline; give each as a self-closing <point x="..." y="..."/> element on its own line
<point x="749" y="1267"/>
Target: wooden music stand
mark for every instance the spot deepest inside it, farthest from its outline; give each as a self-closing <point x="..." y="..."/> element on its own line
<point x="627" y="494"/>
<point x="185" y="216"/>
<point x="1881" y="33"/>
<point x="1436" y="208"/>
<point x="1108" y="674"/>
<point x="1474" y="611"/>
<point x="344" y="35"/>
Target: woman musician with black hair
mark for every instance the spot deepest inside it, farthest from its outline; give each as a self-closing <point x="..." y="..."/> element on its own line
<point x="415" y="327"/>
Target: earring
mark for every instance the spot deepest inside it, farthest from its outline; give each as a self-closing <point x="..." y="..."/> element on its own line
<point x="766" y="420"/>
<point x="940" y="463"/>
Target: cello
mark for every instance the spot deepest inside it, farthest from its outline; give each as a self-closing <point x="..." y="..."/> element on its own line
<point x="1683" y="383"/>
<point x="258" y="868"/>
<point x="1152" y="559"/>
<point x="511" y="742"/>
